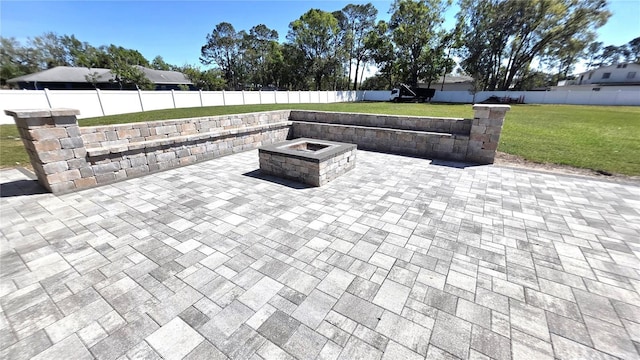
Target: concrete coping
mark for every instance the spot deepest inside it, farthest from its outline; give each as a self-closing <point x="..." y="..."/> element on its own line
<point x="331" y="150"/>
<point x="491" y="107"/>
<point x="41" y="113"/>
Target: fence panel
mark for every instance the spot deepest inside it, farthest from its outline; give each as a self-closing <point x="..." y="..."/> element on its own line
<point x="120" y="102"/>
<point x="281" y="97"/>
<point x="156" y="100"/>
<point x="87" y="101"/>
<point x="187" y="99"/>
<point x="234" y="98"/>
<point x="213" y="98"/>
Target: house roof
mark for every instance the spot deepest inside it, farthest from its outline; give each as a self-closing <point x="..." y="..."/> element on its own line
<point x="78" y="75"/>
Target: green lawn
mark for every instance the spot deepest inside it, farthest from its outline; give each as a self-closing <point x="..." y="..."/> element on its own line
<point x="605" y="138"/>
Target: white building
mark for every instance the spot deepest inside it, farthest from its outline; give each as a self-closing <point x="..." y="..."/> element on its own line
<point x="618" y="74"/>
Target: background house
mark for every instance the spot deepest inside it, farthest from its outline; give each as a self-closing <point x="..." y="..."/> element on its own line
<point x="625" y="77"/>
<point x="451" y="83"/>
<point x="82" y="78"/>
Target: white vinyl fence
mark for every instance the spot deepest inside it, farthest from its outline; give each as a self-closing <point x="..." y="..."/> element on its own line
<point x="615" y="97"/>
<point x="92" y="103"/>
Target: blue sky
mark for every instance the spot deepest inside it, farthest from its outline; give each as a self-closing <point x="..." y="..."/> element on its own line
<point x="176" y="30"/>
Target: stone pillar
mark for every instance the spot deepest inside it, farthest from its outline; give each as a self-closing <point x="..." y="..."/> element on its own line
<point x="56" y="150"/>
<point x="485" y="132"/>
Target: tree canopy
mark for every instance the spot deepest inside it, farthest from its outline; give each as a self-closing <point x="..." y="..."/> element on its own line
<point x="502" y="44"/>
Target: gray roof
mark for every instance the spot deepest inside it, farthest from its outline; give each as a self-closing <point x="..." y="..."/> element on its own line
<point x="78" y="75"/>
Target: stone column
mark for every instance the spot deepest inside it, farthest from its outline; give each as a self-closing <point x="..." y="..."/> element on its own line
<point x="56" y="150"/>
<point x="485" y="132"/>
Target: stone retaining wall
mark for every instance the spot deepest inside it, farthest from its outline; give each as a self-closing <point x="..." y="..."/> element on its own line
<point x="66" y="157"/>
<point x="471" y="140"/>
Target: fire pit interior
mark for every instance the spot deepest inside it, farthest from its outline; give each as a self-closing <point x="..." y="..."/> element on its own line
<point x="313" y="162"/>
<point x="307" y="146"/>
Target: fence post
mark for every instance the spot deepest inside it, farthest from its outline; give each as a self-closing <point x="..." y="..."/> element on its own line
<point x="243" y="102"/>
<point x="173" y="97"/>
<point x="288" y="99"/>
<point x="201" y="102"/>
<point x="260" y="96"/>
<point x="100" y="101"/>
<point x="140" y="98"/>
<point x="46" y="94"/>
<point x="224" y="101"/>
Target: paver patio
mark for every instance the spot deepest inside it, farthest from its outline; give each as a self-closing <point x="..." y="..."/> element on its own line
<point x="400" y="258"/>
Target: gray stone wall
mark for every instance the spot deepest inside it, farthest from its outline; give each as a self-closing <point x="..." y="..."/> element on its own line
<point x="471" y="140"/>
<point x="414" y="123"/>
<point x="66" y="157"/>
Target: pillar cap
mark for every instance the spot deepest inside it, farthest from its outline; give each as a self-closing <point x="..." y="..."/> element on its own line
<point x="491" y="106"/>
<point x="40" y="113"/>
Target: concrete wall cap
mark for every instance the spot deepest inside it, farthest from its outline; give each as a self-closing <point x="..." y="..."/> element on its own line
<point x="39" y="113"/>
<point x="491" y="106"/>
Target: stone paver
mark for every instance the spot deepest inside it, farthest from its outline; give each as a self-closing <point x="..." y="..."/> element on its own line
<point x="399" y="258"/>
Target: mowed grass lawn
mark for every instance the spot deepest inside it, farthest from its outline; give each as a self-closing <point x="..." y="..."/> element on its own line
<point x="605" y="138"/>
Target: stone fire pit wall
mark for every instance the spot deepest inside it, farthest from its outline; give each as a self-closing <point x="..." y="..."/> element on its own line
<point x="67" y="157"/>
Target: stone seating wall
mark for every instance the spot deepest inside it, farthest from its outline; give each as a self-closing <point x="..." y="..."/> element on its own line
<point x="67" y="157"/>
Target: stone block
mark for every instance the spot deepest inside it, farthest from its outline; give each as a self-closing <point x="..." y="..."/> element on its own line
<point x="94" y="138"/>
<point x="47" y="145"/>
<point x="111" y="135"/>
<point x="47" y="133"/>
<point x="105" y="178"/>
<point x="128" y="133"/>
<point x="137" y="171"/>
<point x="55" y="167"/>
<point x="86" y="171"/>
<point x="165" y="157"/>
<point x="62" y="187"/>
<point x="138" y="160"/>
<point x="106" y="168"/>
<point x="68" y="175"/>
<point x="72" y="143"/>
<point x="85" y="182"/>
<point x="56" y="155"/>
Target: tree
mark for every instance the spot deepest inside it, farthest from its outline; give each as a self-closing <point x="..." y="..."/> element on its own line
<point x="503" y="37"/>
<point x="158" y="63"/>
<point x="207" y="80"/>
<point x="223" y="49"/>
<point x="261" y="54"/>
<point x="125" y="67"/>
<point x="634" y="50"/>
<point x="315" y="33"/>
<point x="294" y="72"/>
<point x="358" y="21"/>
<point x="567" y="53"/>
<point x="15" y="60"/>
<point x="593" y="52"/>
<point x="382" y="52"/>
<point x="415" y="32"/>
<point x="613" y="54"/>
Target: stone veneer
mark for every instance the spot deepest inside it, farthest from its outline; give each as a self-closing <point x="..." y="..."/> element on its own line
<point x="66" y="157"/>
<point x="315" y="168"/>
<point x="471" y="140"/>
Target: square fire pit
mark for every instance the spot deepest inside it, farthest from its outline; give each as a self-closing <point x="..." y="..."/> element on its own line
<point x="310" y="161"/>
